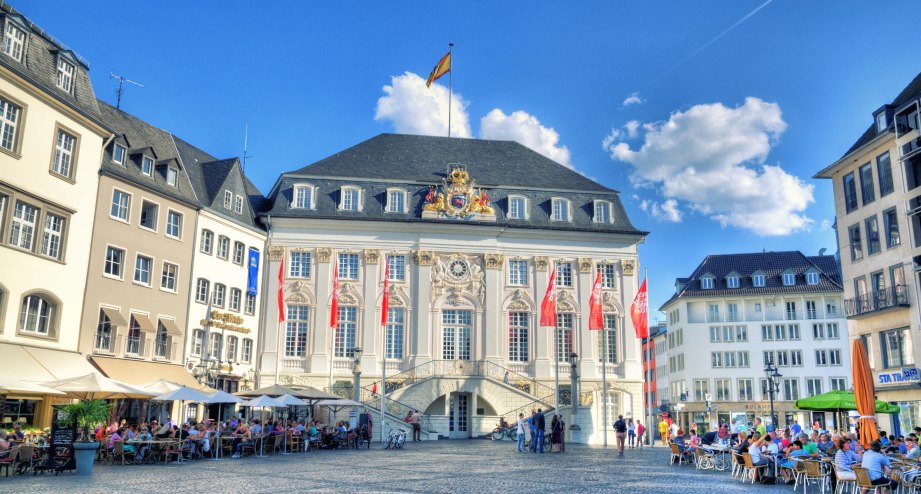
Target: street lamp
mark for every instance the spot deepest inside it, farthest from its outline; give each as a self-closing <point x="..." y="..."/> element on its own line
<point x="773" y="377"/>
<point x="356" y="371"/>
<point x="574" y="394"/>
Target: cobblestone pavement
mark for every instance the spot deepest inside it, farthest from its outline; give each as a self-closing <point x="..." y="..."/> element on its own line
<point x="480" y="466"/>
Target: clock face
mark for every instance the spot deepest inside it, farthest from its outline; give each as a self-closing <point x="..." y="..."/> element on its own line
<point x="457" y="268"/>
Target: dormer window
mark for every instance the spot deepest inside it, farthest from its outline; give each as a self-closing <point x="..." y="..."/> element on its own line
<point x="560" y="210"/>
<point x="602" y="212"/>
<point x="303" y="197"/>
<point x="350" y="199"/>
<point x="65" y="80"/>
<point x="396" y="201"/>
<point x="228" y="199"/>
<point x="172" y="176"/>
<point x="118" y="154"/>
<point x="238" y="205"/>
<point x="14" y="41"/>
<point x="788" y="278"/>
<point x="881" y="122"/>
<point x="732" y="281"/>
<point x="812" y="277"/>
<point x="706" y="283"/>
<point x="517" y="208"/>
<point x="147" y="165"/>
<point x="759" y="280"/>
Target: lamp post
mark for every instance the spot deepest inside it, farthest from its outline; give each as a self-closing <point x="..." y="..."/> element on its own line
<point x="773" y="376"/>
<point x="356" y="372"/>
<point x="574" y="395"/>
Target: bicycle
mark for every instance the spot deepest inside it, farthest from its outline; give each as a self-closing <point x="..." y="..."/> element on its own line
<point x="504" y="432"/>
<point x="396" y="440"/>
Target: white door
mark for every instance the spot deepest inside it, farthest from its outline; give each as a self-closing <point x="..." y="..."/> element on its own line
<point x="459" y="416"/>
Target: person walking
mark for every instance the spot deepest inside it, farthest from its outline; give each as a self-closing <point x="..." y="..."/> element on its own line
<point x="663" y="431"/>
<point x="541" y="426"/>
<point x="521" y="432"/>
<point x="620" y="430"/>
<point x="640" y="431"/>
<point x="416" y="421"/>
<point x="631" y="433"/>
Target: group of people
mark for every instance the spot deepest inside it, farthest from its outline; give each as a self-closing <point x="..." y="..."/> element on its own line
<point x="535" y="427"/>
<point x="629" y="432"/>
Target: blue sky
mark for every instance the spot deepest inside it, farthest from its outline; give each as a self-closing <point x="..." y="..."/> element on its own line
<point x="715" y="155"/>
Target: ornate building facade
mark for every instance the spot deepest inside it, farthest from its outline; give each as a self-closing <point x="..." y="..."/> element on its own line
<point x="467" y="266"/>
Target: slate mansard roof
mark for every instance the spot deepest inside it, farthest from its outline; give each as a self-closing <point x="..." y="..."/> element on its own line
<point x="771" y="264"/>
<point x="911" y="91"/>
<point x="414" y="163"/>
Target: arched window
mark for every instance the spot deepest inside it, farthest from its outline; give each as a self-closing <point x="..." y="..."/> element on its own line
<point x="38" y="315"/>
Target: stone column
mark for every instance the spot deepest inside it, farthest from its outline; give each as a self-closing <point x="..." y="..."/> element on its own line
<point x="371" y="332"/>
<point x="582" y="344"/>
<point x="495" y="328"/>
<point x="321" y="333"/>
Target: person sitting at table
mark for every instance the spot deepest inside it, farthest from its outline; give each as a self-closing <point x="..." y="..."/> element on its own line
<point x="845" y="459"/>
<point x="694" y="442"/>
<point x="809" y="446"/>
<point x="772" y="443"/>
<point x="119" y="435"/>
<point x="912" y="450"/>
<point x="823" y="443"/>
<point x="5" y="443"/>
<point x="18" y="435"/>
<point x="742" y="443"/>
<point x="754" y="450"/>
<point x="341" y="431"/>
<point x="243" y="436"/>
<point x="879" y="466"/>
<point x="256" y="428"/>
<point x="794" y="453"/>
<point x="163" y="432"/>
<point x="723" y="433"/>
<point x="143" y="438"/>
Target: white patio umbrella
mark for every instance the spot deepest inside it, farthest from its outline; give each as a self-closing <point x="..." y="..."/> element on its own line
<point x="263" y="402"/>
<point x="160" y="386"/>
<point x="221" y="397"/>
<point x="183" y="395"/>
<point x="8" y="385"/>
<point x="289" y="401"/>
<point x="95" y="385"/>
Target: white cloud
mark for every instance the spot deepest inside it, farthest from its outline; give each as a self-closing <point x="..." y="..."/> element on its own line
<point x="526" y="129"/>
<point x="632" y="127"/>
<point x="667" y="211"/>
<point x="713" y="158"/>
<point x="416" y="109"/>
<point x="633" y="99"/>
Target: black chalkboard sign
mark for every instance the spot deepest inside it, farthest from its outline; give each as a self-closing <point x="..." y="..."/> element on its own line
<point x="62" y="435"/>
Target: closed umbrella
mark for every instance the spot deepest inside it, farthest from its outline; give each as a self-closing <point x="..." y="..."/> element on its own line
<point x="864" y="394"/>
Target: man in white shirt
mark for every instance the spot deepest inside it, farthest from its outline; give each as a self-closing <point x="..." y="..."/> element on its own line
<point x="734" y="430"/>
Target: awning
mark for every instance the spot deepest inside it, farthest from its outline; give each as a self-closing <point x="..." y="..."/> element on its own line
<point x="138" y="372"/>
<point x="144" y="323"/>
<point x="60" y="364"/>
<point x="115" y="317"/>
<point x="24" y="367"/>
<point x="171" y="328"/>
<point x="19" y="365"/>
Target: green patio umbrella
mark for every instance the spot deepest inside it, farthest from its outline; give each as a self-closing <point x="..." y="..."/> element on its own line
<point x="838" y="401"/>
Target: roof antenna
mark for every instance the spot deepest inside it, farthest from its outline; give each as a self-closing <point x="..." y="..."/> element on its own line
<point x="121" y="83"/>
<point x="245" y="141"/>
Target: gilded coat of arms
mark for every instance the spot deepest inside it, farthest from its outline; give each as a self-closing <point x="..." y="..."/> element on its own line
<point x="458" y="198"/>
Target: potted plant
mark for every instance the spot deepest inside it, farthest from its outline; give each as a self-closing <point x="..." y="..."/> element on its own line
<point x="86" y="415"/>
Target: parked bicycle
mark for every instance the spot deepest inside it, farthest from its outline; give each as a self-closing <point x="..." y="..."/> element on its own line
<point x="500" y="433"/>
<point x="396" y="440"/>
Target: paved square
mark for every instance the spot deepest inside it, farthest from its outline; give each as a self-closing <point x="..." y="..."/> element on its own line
<point x="480" y="466"/>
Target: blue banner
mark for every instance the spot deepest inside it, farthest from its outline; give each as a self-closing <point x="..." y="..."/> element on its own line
<point x="253" y="281"/>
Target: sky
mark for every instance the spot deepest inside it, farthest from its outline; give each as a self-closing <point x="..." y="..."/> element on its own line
<point x="709" y="117"/>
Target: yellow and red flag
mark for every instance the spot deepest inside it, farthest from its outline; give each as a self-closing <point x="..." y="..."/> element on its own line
<point x="639" y="312"/>
<point x="442" y="68"/>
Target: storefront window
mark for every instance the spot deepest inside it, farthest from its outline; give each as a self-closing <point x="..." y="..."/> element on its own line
<point x="20" y="412"/>
<point x="910" y="416"/>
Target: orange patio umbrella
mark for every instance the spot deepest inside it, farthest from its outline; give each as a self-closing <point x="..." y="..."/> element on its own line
<point x="864" y="394"/>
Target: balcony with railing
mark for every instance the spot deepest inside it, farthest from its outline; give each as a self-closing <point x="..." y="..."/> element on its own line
<point x="876" y="301"/>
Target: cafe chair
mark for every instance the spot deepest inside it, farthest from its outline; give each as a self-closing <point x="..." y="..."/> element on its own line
<point x="314" y="442"/>
<point x="276" y="443"/>
<point x="847" y="481"/>
<point x="863" y="481"/>
<point x="815" y="472"/>
<point x="750" y="468"/>
<point x="703" y="459"/>
<point x="118" y="452"/>
<point x="10" y="459"/>
<point x="677" y="455"/>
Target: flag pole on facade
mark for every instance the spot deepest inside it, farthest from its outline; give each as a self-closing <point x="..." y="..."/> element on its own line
<point x="595" y="323"/>
<point x="333" y="320"/>
<point x="441" y="68"/>
<point x="281" y="316"/>
<point x="385" y="306"/>
<point x="548" y="319"/>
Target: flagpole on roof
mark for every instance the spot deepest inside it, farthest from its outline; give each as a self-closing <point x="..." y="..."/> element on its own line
<point x="450" y="84"/>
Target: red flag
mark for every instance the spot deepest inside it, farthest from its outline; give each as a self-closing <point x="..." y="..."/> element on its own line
<point x="281" y="290"/>
<point x="638" y="312"/>
<point x="548" y="306"/>
<point x="334" y="308"/>
<point x="595" y="318"/>
<point x="385" y="304"/>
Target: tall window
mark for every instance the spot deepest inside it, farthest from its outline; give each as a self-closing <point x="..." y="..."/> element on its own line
<point x="732" y="312"/>
<point x="455" y="334"/>
<point x="302" y="197"/>
<point x="172" y="176"/>
<point x="395" y="323"/>
<point x="602" y="212"/>
<point x="518" y="272"/>
<point x="812" y="278"/>
<point x="223" y="247"/>
<point x="133" y="346"/>
<point x="63" y="154"/>
<point x="231" y="348"/>
<point x="238" y="205"/>
<point x="202" y="288"/>
<point x="897" y="348"/>
<point x="121" y="203"/>
<point x="608" y="275"/>
<point x="867" y="191"/>
<point x="560" y="210"/>
<point x="37" y="315"/>
<point x="250" y="308"/>
<point x="174" y="224"/>
<point x="15" y="41"/>
<point x="168" y="276"/>
<point x="115" y="261"/>
<point x="872" y="235"/>
<point x="891" y="228"/>
<point x="516" y="207"/>
<point x="219" y="295"/>
<point x="161" y="342"/>
<point x="246" y="355"/>
<point x="297" y="324"/>
<point x="142" y="266"/>
<point x="607" y="340"/>
<point x="207" y="241"/>
<point x="723" y="389"/>
<point x="65" y="78"/>
<point x="149" y="215"/>
<point x="396" y="201"/>
<point x="198" y="342"/>
<point x="396" y="268"/>
<point x="850" y="192"/>
<point x="813" y="386"/>
<point x="147" y="165"/>
<point x="791" y="311"/>
<point x="344" y="344"/>
<point x="701" y="389"/>
<point x="51" y="238"/>
<point x="228" y="199"/>
<point x="791" y="389"/>
<point x="350" y="199"/>
<point x="103" y="333"/>
<point x="348" y="266"/>
<point x="214" y="346"/>
<point x="853" y="234"/>
<point x="746" y="390"/>
<point x="714" y="313"/>
<point x="563" y="336"/>
<point x="236" y="296"/>
<point x="884" y="170"/>
<point x="9" y="125"/>
<point x="299" y="265"/>
<point x="239" y="252"/>
<point x="518" y="336"/>
<point x="563" y="274"/>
